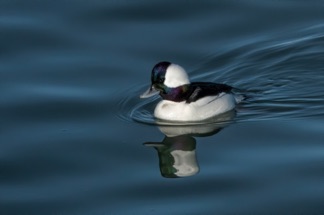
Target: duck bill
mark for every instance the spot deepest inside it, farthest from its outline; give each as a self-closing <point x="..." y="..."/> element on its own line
<point x="149" y="92"/>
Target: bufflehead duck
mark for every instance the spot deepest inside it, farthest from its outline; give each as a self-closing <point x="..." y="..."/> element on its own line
<point x="185" y="101"/>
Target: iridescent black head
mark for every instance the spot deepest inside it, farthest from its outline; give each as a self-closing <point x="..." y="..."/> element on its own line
<point x="165" y="77"/>
<point x="159" y="72"/>
<point x="158" y="75"/>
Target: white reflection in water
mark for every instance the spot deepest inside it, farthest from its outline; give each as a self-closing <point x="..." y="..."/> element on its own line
<point x="177" y="151"/>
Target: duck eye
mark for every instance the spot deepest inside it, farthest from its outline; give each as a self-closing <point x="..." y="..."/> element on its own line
<point x="161" y="80"/>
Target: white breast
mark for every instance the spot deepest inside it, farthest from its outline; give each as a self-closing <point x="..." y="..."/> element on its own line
<point x="202" y="109"/>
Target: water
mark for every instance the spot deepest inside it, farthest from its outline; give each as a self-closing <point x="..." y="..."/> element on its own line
<point x="76" y="139"/>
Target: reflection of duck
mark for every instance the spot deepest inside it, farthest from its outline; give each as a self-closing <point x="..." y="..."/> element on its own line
<point x="177" y="151"/>
<point x="185" y="101"/>
<point x="177" y="156"/>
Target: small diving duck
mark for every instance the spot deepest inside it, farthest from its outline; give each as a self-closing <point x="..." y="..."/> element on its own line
<point x="185" y="101"/>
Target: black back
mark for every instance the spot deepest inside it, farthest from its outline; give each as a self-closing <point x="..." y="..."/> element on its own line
<point x="202" y="89"/>
<point x="194" y="91"/>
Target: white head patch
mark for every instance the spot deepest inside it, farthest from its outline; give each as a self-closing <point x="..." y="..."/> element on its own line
<point x="176" y="76"/>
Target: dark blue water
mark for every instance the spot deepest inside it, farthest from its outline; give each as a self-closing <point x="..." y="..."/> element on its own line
<point x="76" y="139"/>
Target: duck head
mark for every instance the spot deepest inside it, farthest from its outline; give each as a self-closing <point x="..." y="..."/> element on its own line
<point x="165" y="77"/>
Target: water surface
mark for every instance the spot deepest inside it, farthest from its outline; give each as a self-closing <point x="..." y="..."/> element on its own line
<point x="76" y="139"/>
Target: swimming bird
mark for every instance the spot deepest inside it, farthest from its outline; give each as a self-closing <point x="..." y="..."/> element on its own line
<point x="185" y="101"/>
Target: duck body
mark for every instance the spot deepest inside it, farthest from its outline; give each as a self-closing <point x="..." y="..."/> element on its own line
<point x="185" y="101"/>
